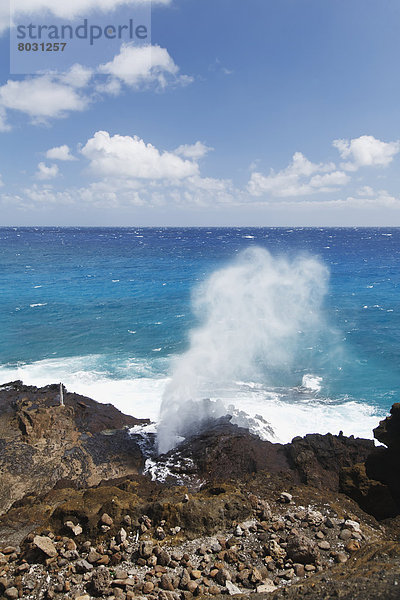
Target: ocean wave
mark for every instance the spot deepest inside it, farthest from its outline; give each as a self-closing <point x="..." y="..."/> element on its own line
<point x="136" y="387"/>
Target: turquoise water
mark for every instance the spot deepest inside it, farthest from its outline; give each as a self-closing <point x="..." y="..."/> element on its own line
<point x="106" y="310"/>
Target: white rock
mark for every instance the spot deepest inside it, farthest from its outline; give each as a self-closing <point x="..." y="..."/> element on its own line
<point x="233" y="589"/>
<point x="76" y="529"/>
<point x="285" y="497"/>
<point x="353" y="525"/>
<point x="266" y="587"/>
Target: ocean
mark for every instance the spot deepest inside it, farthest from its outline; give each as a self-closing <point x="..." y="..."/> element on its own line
<point x="290" y="330"/>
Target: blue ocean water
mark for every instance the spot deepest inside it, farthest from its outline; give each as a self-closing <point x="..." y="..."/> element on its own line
<point x="106" y="309"/>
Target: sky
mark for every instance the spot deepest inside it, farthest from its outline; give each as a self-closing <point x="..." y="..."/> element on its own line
<point x="234" y="113"/>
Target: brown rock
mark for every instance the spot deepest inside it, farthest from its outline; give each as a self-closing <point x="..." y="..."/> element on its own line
<point x="301" y="549"/>
<point x="148" y="587"/>
<point x="45" y="544"/>
<point x="195" y="574"/>
<point x="345" y="534"/>
<point x="352" y="546"/>
<point x="166" y="583"/>
<point x="214" y="590"/>
<point x="106" y="520"/>
<point x="191" y="587"/>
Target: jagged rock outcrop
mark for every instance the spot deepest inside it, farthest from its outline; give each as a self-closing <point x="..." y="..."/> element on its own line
<point x="225" y="451"/>
<point x="44" y="444"/>
<point x="375" y="483"/>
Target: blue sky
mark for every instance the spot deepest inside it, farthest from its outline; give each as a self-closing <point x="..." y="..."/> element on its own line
<point x="256" y="112"/>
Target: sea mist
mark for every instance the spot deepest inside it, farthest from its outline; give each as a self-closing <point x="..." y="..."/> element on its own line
<point x="253" y="314"/>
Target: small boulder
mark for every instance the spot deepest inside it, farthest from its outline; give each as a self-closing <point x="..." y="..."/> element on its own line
<point x="45" y="544"/>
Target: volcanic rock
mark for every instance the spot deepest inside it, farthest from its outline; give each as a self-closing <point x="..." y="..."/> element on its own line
<point x="43" y="443"/>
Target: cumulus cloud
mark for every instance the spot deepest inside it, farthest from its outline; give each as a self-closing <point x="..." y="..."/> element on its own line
<point x="45" y="172"/>
<point x="131" y="157"/>
<point x="301" y="177"/>
<point x="139" y="67"/>
<point x="65" y="10"/>
<point x="42" y="97"/>
<point x="366" y="151"/>
<point x="55" y="95"/>
<point x="60" y="153"/>
<point x="193" y="151"/>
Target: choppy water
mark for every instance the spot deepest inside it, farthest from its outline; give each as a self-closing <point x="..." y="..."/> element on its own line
<point x="106" y="310"/>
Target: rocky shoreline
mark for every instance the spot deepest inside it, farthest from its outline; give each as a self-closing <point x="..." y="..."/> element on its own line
<point x="88" y="511"/>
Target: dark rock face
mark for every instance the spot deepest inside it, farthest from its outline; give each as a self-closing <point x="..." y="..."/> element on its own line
<point x="319" y="459"/>
<point x="225" y="451"/>
<point x="375" y="483"/>
<point x="388" y="430"/>
<point x="43" y="444"/>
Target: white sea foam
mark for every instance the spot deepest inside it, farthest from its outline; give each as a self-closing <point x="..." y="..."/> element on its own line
<point x="253" y="313"/>
<point x="312" y="382"/>
<point x="289" y="412"/>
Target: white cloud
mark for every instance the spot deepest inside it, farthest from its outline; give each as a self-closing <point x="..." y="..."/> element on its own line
<point x="4" y="126"/>
<point x="55" y="95"/>
<point x="366" y="151"/>
<point x="131" y="157"/>
<point x="77" y="76"/>
<point x="193" y="151"/>
<point x="65" y="10"/>
<point x="45" y="172"/>
<point x="41" y="98"/>
<point x="140" y="67"/>
<point x="60" y="153"/>
<point x="366" y="190"/>
<point x="301" y="177"/>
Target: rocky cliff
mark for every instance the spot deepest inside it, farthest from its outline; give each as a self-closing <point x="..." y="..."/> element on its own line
<point x="44" y="444"/>
<point x="91" y="512"/>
